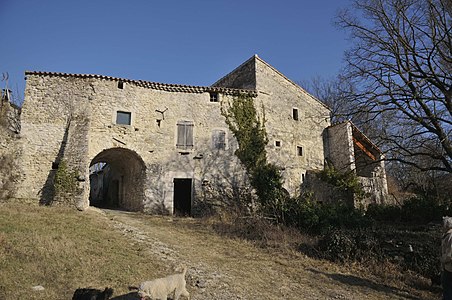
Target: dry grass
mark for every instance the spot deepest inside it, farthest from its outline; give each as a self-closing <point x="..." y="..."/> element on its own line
<point x="63" y="249"/>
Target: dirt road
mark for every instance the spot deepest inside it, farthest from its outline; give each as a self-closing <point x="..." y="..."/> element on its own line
<point x="226" y="268"/>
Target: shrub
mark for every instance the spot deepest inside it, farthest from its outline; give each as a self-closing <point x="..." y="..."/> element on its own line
<point x="313" y="217"/>
<point x="384" y="213"/>
<point x="65" y="180"/>
<point x="337" y="245"/>
<point x="347" y="182"/>
<point x="249" y="129"/>
<point x="422" y="210"/>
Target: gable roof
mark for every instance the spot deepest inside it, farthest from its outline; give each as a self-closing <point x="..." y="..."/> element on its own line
<point x="152" y="85"/>
<point x="255" y="58"/>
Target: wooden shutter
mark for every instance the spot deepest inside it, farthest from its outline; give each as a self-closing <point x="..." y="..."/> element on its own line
<point x="184" y="135"/>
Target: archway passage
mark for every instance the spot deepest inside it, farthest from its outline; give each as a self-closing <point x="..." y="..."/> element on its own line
<point x="117" y="178"/>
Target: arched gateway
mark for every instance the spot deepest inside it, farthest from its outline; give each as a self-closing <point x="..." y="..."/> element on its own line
<point x="117" y="178"/>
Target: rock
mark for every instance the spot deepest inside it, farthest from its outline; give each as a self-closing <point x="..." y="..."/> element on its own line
<point x="38" y="288"/>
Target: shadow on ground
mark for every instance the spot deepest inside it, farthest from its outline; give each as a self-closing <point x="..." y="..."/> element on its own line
<point x="352" y="280"/>
<point x="128" y="296"/>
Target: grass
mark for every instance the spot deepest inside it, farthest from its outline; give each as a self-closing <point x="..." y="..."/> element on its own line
<point x="62" y="249"/>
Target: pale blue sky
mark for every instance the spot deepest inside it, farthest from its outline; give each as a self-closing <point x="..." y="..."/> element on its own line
<point x="192" y="42"/>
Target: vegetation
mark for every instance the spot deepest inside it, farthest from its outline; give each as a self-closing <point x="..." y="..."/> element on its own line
<point x="65" y="180"/>
<point x="249" y="129"/>
<point x="347" y="182"/>
<point x="62" y="249"/>
<point x="400" y="66"/>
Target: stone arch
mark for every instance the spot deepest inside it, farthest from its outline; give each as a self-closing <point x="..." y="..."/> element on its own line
<point x="117" y="177"/>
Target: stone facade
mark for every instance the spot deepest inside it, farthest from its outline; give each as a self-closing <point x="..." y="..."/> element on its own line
<point x="161" y="147"/>
<point x="349" y="150"/>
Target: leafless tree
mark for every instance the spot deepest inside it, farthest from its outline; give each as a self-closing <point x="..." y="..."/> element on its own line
<point x="400" y="66"/>
<point x="334" y="92"/>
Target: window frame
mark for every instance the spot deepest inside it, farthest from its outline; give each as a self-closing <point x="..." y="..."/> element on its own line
<point x="123" y="112"/>
<point x="215" y="96"/>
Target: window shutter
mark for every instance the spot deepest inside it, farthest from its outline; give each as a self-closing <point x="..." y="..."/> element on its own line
<point x="189" y="136"/>
<point x="219" y="139"/>
<point x="180" y="136"/>
<point x="184" y="135"/>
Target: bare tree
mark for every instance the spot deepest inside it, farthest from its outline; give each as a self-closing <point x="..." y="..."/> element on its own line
<point x="400" y="66"/>
<point x="334" y="92"/>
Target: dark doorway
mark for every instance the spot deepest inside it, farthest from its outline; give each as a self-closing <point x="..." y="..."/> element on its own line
<point x="182" y="196"/>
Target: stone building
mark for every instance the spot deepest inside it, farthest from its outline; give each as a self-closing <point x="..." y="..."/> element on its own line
<point x="164" y="147"/>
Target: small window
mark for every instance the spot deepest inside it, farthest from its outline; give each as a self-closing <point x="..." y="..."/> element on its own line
<point x="184" y="135"/>
<point x="295" y="114"/>
<point x="299" y="151"/>
<point x="219" y="139"/>
<point x="123" y="118"/>
<point x="213" y="97"/>
<point x="277" y="144"/>
<point x="302" y="178"/>
<point x="120" y="84"/>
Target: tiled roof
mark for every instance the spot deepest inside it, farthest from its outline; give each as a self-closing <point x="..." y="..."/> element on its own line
<point x="358" y="134"/>
<point x="153" y="85"/>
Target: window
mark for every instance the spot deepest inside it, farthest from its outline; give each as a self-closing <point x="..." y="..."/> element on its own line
<point x="123" y="118"/>
<point x="295" y="114"/>
<point x="219" y="139"/>
<point x="184" y="135"/>
<point x="277" y="144"/>
<point x="299" y="151"/>
<point x="213" y="97"/>
<point x="120" y="84"/>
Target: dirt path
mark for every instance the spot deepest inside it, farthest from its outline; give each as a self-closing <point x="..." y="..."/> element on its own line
<point x="223" y="268"/>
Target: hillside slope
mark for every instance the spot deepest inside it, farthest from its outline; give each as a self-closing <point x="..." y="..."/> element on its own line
<point x="68" y="249"/>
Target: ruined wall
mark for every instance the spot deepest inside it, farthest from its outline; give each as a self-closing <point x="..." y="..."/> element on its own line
<point x="9" y="151"/>
<point x="375" y="186"/>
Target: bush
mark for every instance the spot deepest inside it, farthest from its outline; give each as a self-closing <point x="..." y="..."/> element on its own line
<point x="384" y="213"/>
<point x="417" y="251"/>
<point x="422" y="210"/>
<point x="337" y="246"/>
<point x="313" y="217"/>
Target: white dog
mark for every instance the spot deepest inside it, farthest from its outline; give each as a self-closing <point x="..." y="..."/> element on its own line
<point x="160" y="288"/>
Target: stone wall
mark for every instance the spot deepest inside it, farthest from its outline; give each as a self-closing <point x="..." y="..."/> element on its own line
<point x="339" y="147"/>
<point x="348" y="150"/>
<point x="295" y="145"/>
<point x="73" y="117"/>
<point x="9" y="152"/>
